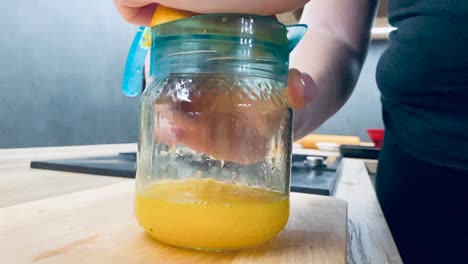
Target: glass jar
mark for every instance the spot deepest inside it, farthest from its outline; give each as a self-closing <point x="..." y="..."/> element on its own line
<point x="214" y="155"/>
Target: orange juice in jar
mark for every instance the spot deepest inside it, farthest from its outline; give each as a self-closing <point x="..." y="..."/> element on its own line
<point x="211" y="215"/>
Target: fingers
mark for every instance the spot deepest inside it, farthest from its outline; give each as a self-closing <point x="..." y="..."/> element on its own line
<point x="301" y="89"/>
<point x="261" y="7"/>
<point x="140" y="12"/>
<point x="137" y="12"/>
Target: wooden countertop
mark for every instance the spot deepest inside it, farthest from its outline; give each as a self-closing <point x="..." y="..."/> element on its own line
<point x="381" y="29"/>
<point x="369" y="239"/>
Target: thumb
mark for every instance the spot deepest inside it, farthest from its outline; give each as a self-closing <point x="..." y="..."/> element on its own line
<point x="301" y="89"/>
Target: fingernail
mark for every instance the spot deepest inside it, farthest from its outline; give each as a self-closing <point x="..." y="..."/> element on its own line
<point x="309" y="87"/>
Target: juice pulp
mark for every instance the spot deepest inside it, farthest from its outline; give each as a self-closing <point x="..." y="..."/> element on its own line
<point x="211" y="215"/>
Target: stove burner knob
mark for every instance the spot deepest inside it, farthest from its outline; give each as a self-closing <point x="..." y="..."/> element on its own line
<point x="314" y="162"/>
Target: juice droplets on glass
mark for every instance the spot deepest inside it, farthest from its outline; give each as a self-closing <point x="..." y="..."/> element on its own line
<point x="211" y="214"/>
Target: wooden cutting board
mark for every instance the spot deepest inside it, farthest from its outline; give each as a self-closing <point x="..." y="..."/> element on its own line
<point x="98" y="226"/>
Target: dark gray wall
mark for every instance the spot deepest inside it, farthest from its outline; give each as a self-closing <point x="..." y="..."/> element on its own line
<point x="61" y="64"/>
<point x="363" y="109"/>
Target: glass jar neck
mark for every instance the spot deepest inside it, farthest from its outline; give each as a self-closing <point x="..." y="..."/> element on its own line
<point x="218" y="54"/>
<point x="232" y="44"/>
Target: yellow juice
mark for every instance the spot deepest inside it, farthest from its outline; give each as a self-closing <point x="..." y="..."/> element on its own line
<point x="211" y="215"/>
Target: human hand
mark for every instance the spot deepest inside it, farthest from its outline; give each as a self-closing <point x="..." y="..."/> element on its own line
<point x="140" y="12"/>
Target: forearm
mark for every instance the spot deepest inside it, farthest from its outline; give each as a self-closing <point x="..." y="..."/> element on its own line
<point x="332" y="53"/>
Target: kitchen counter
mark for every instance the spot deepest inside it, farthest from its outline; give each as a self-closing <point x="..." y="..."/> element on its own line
<point x="381" y="29"/>
<point x="369" y="239"/>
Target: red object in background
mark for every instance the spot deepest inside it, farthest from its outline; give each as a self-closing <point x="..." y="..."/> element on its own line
<point x="377" y="136"/>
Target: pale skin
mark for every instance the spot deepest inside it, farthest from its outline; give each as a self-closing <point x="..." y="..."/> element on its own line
<point x="324" y="66"/>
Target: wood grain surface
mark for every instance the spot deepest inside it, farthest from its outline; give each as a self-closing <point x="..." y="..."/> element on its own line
<point x="369" y="238"/>
<point x="19" y="183"/>
<point x="98" y="226"/>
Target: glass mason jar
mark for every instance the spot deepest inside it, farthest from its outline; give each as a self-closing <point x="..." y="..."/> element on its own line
<point x="214" y="155"/>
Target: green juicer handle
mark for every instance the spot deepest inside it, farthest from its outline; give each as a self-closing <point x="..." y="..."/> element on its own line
<point x="132" y="83"/>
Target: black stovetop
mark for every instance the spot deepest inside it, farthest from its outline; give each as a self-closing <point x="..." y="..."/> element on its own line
<point x="308" y="175"/>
